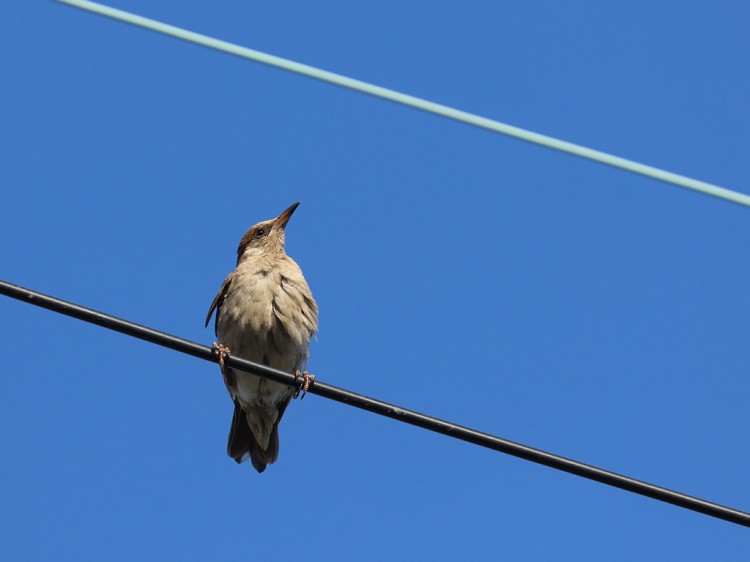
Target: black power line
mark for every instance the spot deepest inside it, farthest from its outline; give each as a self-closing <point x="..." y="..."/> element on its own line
<point x="382" y="408"/>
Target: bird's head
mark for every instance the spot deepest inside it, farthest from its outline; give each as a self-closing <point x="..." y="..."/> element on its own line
<point x="266" y="237"/>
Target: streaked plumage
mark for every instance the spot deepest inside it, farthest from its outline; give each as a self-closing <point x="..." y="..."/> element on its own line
<point x="265" y="313"/>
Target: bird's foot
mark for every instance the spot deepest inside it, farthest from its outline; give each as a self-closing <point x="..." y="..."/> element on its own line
<point x="304" y="384"/>
<point x="223" y="352"/>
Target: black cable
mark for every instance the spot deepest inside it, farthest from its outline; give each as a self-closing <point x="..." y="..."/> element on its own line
<point x="382" y="408"/>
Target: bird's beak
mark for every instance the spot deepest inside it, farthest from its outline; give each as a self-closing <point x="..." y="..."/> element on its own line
<point x="284" y="217"/>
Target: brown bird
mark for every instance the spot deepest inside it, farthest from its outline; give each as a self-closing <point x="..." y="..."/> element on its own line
<point x="265" y="313"/>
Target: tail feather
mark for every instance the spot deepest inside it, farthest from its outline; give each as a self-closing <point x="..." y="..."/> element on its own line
<point x="244" y="445"/>
<point x="240" y="436"/>
<point x="259" y="457"/>
<point x="262" y="421"/>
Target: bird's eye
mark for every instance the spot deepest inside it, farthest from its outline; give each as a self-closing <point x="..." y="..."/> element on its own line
<point x="260" y="232"/>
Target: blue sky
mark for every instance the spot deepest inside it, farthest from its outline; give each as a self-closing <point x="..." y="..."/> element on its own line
<point x="549" y="300"/>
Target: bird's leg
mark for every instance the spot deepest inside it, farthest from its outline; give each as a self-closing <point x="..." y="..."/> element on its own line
<point x="304" y="385"/>
<point x="223" y="352"/>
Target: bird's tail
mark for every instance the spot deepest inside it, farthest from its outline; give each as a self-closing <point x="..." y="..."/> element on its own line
<point x="246" y="443"/>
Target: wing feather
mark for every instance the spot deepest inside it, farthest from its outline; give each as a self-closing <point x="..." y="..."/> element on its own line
<point x="219" y="300"/>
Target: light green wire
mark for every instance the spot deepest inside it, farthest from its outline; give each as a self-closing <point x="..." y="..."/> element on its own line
<point x="413" y="101"/>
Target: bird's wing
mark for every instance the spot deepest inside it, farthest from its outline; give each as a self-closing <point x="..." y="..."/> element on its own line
<point x="219" y="298"/>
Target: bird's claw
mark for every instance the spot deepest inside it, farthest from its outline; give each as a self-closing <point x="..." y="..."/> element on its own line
<point x="305" y="384"/>
<point x="223" y="352"/>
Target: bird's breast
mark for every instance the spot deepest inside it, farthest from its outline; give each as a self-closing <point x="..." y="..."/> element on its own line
<point x="268" y="316"/>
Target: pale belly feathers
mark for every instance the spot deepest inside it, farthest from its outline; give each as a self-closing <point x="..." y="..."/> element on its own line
<point x="263" y="320"/>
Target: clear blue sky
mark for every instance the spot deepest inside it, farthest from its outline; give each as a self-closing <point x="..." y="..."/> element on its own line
<point x="569" y="306"/>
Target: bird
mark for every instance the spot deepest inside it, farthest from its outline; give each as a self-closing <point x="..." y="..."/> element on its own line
<point x="265" y="313"/>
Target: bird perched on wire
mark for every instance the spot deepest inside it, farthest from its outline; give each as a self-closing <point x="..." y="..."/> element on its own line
<point x="265" y="313"/>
